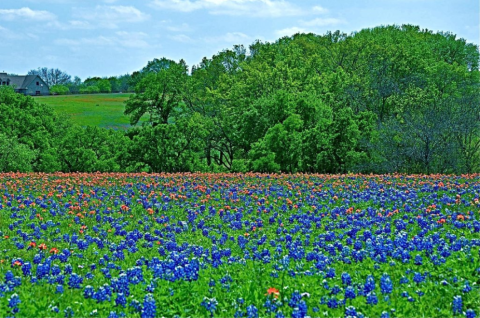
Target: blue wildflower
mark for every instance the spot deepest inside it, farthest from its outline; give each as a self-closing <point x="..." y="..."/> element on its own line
<point x="346" y="279"/>
<point x="149" y="308"/>
<point x="386" y="285"/>
<point x="252" y="311"/>
<point x="210" y="304"/>
<point x="470" y="313"/>
<point x="372" y="298"/>
<point x="457" y="305"/>
<point x="350" y="292"/>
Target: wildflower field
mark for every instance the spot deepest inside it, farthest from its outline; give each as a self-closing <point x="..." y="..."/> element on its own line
<point x="239" y="245"/>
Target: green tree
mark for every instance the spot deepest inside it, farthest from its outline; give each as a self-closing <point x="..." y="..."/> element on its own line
<point x="59" y="90"/>
<point x="158" y="94"/>
<point x="15" y="156"/>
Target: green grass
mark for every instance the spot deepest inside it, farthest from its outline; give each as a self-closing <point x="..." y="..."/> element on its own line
<point x="102" y="110"/>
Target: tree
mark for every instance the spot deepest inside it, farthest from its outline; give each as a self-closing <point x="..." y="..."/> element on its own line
<point x="158" y="93"/>
<point x="59" y="90"/>
<point x="51" y="76"/>
<point x="15" y="156"/>
<point x="34" y="125"/>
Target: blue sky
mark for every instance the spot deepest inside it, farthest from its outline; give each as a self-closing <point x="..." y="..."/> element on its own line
<point x="113" y="37"/>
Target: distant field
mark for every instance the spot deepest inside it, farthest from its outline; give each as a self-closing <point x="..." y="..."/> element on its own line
<point x="102" y="110"/>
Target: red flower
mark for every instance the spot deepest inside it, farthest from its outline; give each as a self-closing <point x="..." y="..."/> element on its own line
<point x="42" y="246"/>
<point x="17" y="263"/>
<point x="32" y="244"/>
<point x="53" y="250"/>
<point x="274" y="291"/>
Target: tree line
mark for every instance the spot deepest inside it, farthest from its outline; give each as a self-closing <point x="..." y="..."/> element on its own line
<point x="61" y="83"/>
<point x="381" y="100"/>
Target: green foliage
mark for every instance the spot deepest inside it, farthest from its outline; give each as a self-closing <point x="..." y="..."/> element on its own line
<point x="32" y="129"/>
<point x="158" y="93"/>
<point x="385" y="99"/>
<point x="92" y="149"/>
<point x="59" y="90"/>
<point x="15" y="156"/>
<point x="94" y="89"/>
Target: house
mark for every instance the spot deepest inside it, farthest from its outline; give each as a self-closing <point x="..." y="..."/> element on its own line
<point x="26" y="84"/>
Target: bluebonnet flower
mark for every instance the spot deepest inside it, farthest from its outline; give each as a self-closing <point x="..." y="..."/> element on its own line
<point x="26" y="269"/>
<point x="467" y="288"/>
<point x="68" y="269"/>
<point x="332" y="303"/>
<point x="149" y="308"/>
<point x="350" y="311"/>
<point x="13" y="303"/>
<point x="335" y="290"/>
<point x="346" y="279"/>
<point x="121" y="300"/>
<point x="457" y="305"/>
<point x="404" y="280"/>
<point x="294" y="299"/>
<point x="330" y="273"/>
<point x="113" y="314"/>
<point x="68" y="312"/>
<point x="470" y="313"/>
<point x="252" y="311"/>
<point x="372" y="298"/>
<point x="135" y="304"/>
<point x="369" y="284"/>
<point x="418" y="278"/>
<point x="88" y="292"/>
<point x="300" y="311"/>
<point x="279" y="315"/>
<point x="75" y="281"/>
<point x="59" y="289"/>
<point x="385" y="314"/>
<point x="350" y="292"/>
<point x="386" y="285"/>
<point x="210" y="304"/>
<point x="271" y="305"/>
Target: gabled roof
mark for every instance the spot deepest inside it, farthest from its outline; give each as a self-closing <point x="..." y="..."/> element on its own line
<point x="20" y="82"/>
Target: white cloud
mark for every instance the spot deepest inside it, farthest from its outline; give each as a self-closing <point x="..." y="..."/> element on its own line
<point x="110" y="16"/>
<point x="254" y="8"/>
<point x="320" y="22"/>
<point x="78" y="24"/>
<point x="181" y="38"/>
<point x="120" y="39"/>
<point x="184" y="27"/>
<point x="7" y="33"/>
<point x="132" y="39"/>
<point x="290" y="31"/>
<point x="319" y="9"/>
<point x="230" y="37"/>
<point x="26" y="13"/>
<point x="312" y="26"/>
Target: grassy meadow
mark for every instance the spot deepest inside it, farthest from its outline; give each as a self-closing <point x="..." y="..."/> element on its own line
<point x="102" y="110"/>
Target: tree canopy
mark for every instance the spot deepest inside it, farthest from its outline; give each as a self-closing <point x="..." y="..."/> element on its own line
<point x="384" y="99"/>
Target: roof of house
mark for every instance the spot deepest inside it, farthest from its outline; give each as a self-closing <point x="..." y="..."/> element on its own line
<point x="19" y="81"/>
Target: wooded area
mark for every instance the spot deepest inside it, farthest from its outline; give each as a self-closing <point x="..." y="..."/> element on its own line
<point x="382" y="100"/>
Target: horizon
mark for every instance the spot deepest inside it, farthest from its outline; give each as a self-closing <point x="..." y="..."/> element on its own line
<point x="116" y="37"/>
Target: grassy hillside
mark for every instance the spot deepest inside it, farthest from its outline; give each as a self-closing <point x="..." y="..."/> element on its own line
<point x="102" y="110"/>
